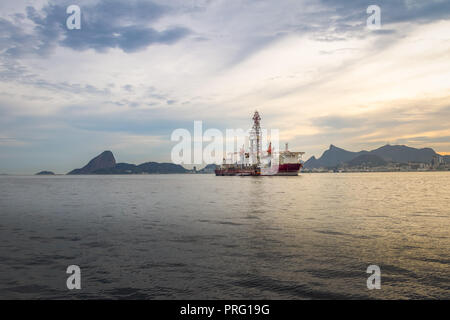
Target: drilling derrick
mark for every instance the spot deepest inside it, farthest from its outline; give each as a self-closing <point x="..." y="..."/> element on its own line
<point x="255" y="138"/>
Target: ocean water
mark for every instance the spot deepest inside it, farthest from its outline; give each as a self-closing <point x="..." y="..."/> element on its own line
<point x="207" y="237"/>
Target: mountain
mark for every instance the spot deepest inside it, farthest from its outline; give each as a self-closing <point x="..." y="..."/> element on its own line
<point x="155" y="167"/>
<point x="311" y="163"/>
<point x="332" y="157"/>
<point x="367" y="160"/>
<point x="335" y="156"/>
<point x="148" y="167"/>
<point x="45" y="173"/>
<point x="210" y="168"/>
<point x="404" y="154"/>
<point x="120" y="168"/>
<point x="105" y="160"/>
<point x="105" y="163"/>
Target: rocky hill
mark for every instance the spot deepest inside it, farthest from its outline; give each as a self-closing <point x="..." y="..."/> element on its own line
<point x="332" y="157"/>
<point x="45" y="173"/>
<point x="210" y="168"/>
<point x="105" y="160"/>
<point x="367" y="160"/>
<point x="335" y="156"/>
<point x="105" y="163"/>
<point x="404" y="154"/>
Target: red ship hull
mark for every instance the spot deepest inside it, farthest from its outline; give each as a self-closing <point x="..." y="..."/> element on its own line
<point x="289" y="169"/>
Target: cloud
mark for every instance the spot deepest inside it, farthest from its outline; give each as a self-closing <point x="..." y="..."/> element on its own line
<point x="105" y="25"/>
<point x="14" y="71"/>
<point x="128" y="87"/>
<point x="392" y="11"/>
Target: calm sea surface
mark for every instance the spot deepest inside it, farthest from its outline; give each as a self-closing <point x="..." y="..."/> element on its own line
<point x="207" y="237"/>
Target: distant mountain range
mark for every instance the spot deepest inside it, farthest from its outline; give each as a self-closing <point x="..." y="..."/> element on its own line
<point x="105" y="163"/>
<point x="335" y="156"/>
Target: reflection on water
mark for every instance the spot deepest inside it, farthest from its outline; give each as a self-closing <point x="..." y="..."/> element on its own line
<point x="201" y="236"/>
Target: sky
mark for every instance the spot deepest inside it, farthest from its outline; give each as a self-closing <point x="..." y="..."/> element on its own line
<point x="137" y="70"/>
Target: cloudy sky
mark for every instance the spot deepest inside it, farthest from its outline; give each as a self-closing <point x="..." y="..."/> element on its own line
<point x="139" y="69"/>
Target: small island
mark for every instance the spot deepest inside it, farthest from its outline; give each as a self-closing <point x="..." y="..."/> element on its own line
<point x="45" y="173"/>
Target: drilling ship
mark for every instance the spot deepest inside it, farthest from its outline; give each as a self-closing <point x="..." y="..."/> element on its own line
<point x="258" y="163"/>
